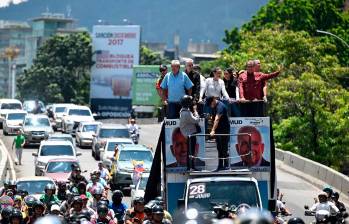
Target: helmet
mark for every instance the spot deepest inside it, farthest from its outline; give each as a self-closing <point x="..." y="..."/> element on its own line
<point x="187" y="101"/>
<point x="102" y="209"/>
<point x="77" y="199"/>
<point x="159" y="199"/>
<point x="138" y="200"/>
<point x="85" y="214"/>
<point x="162" y="68"/>
<point x="81" y="184"/>
<point x="295" y="220"/>
<point x="6" y="212"/>
<point x="117" y="194"/>
<point x="242" y="208"/>
<point x="255" y="215"/>
<point x="38" y="203"/>
<point x="157" y="209"/>
<point x="149" y="206"/>
<point x="328" y="190"/>
<point x="104" y="201"/>
<point x="50" y="187"/>
<point x="335" y="195"/>
<point x="16" y="213"/>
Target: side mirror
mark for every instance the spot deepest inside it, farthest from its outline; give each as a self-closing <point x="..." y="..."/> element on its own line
<point x="306" y="207"/>
<point x="180" y="203"/>
<point x="35" y="154"/>
<point x="78" y="154"/>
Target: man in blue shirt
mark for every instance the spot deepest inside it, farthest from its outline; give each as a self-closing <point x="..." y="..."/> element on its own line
<point x="176" y="83"/>
<point x="118" y="206"/>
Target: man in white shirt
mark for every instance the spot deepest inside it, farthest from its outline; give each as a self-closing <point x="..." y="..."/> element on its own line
<point x="324" y="204"/>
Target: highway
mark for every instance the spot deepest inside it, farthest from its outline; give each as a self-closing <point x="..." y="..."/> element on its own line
<point x="297" y="192"/>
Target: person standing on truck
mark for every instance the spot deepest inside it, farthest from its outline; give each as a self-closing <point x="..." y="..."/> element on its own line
<point x="19" y="142"/>
<point x="177" y="84"/>
<point x="221" y="125"/>
<point x="189" y="123"/>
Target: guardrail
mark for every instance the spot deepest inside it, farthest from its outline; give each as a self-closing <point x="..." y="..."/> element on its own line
<point x="4" y="163"/>
<point x="315" y="170"/>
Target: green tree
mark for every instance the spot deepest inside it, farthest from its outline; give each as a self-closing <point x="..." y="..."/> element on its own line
<point x="61" y="70"/>
<point x="149" y="57"/>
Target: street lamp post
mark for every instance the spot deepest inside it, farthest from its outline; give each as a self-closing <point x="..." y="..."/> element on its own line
<point x="331" y="34"/>
<point x="11" y="53"/>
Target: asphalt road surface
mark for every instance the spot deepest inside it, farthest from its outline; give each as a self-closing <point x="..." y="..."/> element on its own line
<point x="297" y="192"/>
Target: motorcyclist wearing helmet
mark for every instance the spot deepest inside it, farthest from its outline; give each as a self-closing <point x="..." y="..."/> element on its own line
<point x="49" y="196"/>
<point x="39" y="211"/>
<point x="94" y="184"/>
<point x="5" y="215"/>
<point x="118" y="206"/>
<point x="325" y="205"/>
<point x="329" y="192"/>
<point x="295" y="220"/>
<point x="158" y="216"/>
<point x="148" y="210"/>
<point x="136" y="213"/>
<point x="62" y="190"/>
<point x="76" y="206"/>
<point x="97" y="196"/>
<point x="28" y="207"/>
<point x="339" y="205"/>
<point x="76" y="177"/>
<point x="82" y="190"/>
<point x="11" y="185"/>
<point x="133" y="127"/>
<point x="87" y="205"/>
<point x="160" y="201"/>
<point x="4" y="188"/>
<point x="16" y="217"/>
<point x="102" y="216"/>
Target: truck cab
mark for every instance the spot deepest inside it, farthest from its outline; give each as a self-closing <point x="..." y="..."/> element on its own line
<point x="202" y="193"/>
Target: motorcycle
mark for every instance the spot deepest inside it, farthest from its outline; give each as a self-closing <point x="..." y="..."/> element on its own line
<point x="323" y="216"/>
<point x="134" y="136"/>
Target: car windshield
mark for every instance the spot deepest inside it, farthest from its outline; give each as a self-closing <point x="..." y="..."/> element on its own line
<point x="60" y="138"/>
<point x="11" y="106"/>
<point x="16" y="116"/>
<point x="59" y="109"/>
<point x="143" y="183"/>
<point x="57" y="150"/>
<point x="60" y="166"/>
<point x="202" y="196"/>
<point x="111" y="145"/>
<point x="90" y="127"/>
<point x="37" y="122"/>
<point x="138" y="155"/>
<point x="32" y="186"/>
<point x="79" y="112"/>
<point x="114" y="133"/>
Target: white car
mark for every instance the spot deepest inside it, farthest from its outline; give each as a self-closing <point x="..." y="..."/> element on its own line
<point x="73" y="116"/>
<point x="138" y="190"/>
<point x="58" y="110"/>
<point x="36" y="128"/>
<point x="84" y="133"/>
<point x="107" y="152"/>
<point x="35" y="186"/>
<point x="7" y="105"/>
<point x="49" y="150"/>
<point x="14" y="121"/>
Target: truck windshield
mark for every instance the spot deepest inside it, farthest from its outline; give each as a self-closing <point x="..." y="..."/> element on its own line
<point x="203" y="196"/>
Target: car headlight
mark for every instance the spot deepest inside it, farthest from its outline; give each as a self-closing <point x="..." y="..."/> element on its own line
<point x="39" y="163"/>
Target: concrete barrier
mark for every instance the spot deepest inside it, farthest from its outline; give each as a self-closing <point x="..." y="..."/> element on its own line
<point x="314" y="169"/>
<point x="4" y="163"/>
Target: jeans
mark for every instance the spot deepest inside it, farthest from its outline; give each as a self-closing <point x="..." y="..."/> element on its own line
<point x="19" y="154"/>
<point x="222" y="148"/>
<point x="173" y="110"/>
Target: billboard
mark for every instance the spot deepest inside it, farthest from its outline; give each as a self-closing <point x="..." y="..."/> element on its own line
<point x="115" y="52"/>
<point x="143" y="85"/>
<point x="259" y="129"/>
<point x="177" y="147"/>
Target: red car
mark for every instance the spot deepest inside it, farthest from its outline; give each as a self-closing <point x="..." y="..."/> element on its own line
<point x="60" y="169"/>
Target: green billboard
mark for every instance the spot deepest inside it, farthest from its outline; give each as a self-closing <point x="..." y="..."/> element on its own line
<point x="143" y="85"/>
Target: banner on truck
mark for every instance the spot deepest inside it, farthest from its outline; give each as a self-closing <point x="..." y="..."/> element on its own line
<point x="177" y="147"/>
<point x="115" y="52"/>
<point x="259" y="130"/>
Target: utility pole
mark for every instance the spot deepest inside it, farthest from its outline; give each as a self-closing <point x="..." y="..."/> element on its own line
<point x="11" y="53"/>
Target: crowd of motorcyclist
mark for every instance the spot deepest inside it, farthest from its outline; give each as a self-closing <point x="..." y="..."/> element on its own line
<point x="79" y="201"/>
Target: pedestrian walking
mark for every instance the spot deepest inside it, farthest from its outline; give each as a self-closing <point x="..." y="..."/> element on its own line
<point x="19" y="142"/>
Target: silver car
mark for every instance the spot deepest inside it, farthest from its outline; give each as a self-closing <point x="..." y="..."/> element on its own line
<point x="13" y="122"/>
<point x="36" y="128"/>
<point x="84" y="133"/>
<point x="104" y="132"/>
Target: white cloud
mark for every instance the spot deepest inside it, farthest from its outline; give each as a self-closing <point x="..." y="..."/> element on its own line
<point x="5" y="3"/>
